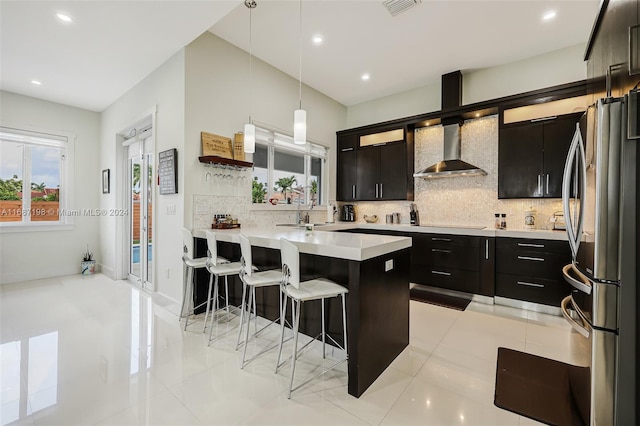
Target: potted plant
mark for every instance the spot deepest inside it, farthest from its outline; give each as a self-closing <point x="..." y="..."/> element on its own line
<point x="88" y="264"/>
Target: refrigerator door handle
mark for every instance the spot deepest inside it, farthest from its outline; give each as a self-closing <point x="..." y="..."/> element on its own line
<point x="582" y="283"/>
<point x="582" y="328"/>
<point x="576" y="155"/>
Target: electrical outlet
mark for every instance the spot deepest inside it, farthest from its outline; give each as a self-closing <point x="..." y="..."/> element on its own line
<point x="388" y="265"/>
<point x="171" y="209"/>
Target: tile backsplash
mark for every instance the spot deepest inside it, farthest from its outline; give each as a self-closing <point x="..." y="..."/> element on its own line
<point x="464" y="201"/>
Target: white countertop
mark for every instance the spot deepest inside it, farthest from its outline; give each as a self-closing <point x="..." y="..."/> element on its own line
<point x="350" y="246"/>
<point x="541" y="234"/>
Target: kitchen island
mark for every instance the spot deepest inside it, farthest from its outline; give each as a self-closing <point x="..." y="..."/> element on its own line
<point x="374" y="268"/>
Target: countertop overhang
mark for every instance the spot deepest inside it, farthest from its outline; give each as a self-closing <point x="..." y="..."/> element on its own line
<point x="350" y="246"/>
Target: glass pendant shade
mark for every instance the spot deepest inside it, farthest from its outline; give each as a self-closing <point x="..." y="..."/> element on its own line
<point x="249" y="138"/>
<point x="300" y="126"/>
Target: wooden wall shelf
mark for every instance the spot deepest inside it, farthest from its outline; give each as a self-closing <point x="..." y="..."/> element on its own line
<point x="226" y="162"/>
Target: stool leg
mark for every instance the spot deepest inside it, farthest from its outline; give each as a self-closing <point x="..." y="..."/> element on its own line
<point x="283" y="314"/>
<point x="296" y="323"/>
<point x="344" y="325"/>
<point x="324" y="352"/>
<point x="255" y="312"/>
<point x="226" y="294"/>
<point x="215" y="308"/>
<point x="242" y="314"/>
<point x="206" y="314"/>
<point x="190" y="296"/>
<point x="252" y="294"/>
<point x="185" y="283"/>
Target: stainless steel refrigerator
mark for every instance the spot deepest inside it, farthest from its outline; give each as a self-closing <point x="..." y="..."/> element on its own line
<point x="599" y="200"/>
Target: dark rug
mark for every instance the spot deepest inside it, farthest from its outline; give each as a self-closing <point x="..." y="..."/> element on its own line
<point x="542" y="389"/>
<point x="426" y="296"/>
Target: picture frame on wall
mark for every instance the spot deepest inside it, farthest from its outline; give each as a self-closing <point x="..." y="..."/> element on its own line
<point x="106" y="187"/>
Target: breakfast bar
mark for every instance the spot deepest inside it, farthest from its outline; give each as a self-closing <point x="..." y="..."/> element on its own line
<point x="374" y="268"/>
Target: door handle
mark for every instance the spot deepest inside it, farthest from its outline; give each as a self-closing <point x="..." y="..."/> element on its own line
<point x="530" y="284"/>
<point x="376" y="190"/>
<point x="346" y="149"/>
<point x="440" y="250"/>
<point x="441" y="273"/>
<point x="486" y="249"/>
<point x="380" y="190"/>
<point x="530" y="245"/>
<point x="583" y="284"/>
<point x="353" y="192"/>
<point x="540" y="184"/>
<point x="580" y="328"/>
<point x="441" y="239"/>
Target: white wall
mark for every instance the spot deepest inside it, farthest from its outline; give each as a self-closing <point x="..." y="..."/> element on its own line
<point x="550" y="69"/>
<point x="164" y="90"/>
<point x="42" y="254"/>
<point x="217" y="101"/>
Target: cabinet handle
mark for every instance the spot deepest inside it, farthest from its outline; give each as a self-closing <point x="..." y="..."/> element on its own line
<point x="441" y="239"/>
<point x="486" y="249"/>
<point x="346" y="149"/>
<point x="530" y="245"/>
<point x="440" y="250"/>
<point x="353" y="191"/>
<point x="547" y="184"/>
<point x="537" y="259"/>
<point x="441" y="273"/>
<point x="376" y="190"/>
<point x="530" y="284"/>
<point x="540" y="184"/>
<point x="380" y="190"/>
<point x="379" y="144"/>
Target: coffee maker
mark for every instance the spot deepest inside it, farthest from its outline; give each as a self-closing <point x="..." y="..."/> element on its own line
<point x="348" y="213"/>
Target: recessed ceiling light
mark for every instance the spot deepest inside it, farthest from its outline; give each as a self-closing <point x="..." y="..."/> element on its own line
<point x="317" y="39"/>
<point x="365" y="77"/>
<point x="63" y="17"/>
<point x="549" y="15"/>
<point x="36" y="82"/>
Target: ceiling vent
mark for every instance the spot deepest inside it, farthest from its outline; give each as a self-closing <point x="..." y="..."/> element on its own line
<point x="398" y="6"/>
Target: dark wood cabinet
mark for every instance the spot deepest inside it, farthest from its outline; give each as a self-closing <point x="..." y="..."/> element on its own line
<point x="375" y="172"/>
<point x="531" y="270"/>
<point x="380" y="174"/>
<point x="531" y="157"/>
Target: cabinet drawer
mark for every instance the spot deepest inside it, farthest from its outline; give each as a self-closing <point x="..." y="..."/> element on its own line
<point x="531" y="245"/>
<point x="447" y="278"/>
<point x="425" y="241"/>
<point x="531" y="264"/>
<point x="531" y="289"/>
<point x="467" y="258"/>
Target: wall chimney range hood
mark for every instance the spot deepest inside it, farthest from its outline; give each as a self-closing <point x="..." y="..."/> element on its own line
<point x="451" y="164"/>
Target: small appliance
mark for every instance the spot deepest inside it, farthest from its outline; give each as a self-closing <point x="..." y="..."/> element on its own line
<point x="414" y="218"/>
<point x="348" y="213"/>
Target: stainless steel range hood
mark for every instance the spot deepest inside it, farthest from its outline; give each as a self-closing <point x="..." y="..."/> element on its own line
<point x="451" y="164"/>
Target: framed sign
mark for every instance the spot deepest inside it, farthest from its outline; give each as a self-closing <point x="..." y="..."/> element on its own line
<point x="106" y="184"/>
<point x="168" y="171"/>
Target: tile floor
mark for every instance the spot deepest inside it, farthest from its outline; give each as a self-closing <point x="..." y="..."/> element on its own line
<point x="89" y="350"/>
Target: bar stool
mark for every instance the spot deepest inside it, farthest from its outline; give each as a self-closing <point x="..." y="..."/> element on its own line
<point x="216" y="270"/>
<point x="298" y="292"/>
<point x="251" y="280"/>
<point x="190" y="264"/>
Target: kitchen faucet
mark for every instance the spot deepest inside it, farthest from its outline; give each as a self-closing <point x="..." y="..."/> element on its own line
<point x="299" y="219"/>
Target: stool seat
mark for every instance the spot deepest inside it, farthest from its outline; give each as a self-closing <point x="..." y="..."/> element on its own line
<point x="319" y="288"/>
<point x="201" y="262"/>
<point x="224" y="269"/>
<point x="265" y="278"/>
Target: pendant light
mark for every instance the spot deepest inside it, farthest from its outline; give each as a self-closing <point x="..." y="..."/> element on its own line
<point x="300" y="115"/>
<point x="249" y="128"/>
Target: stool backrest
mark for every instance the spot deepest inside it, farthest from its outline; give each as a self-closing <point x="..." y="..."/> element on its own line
<point x="212" y="248"/>
<point x="187" y="244"/>
<point x="290" y="262"/>
<point x="245" y="249"/>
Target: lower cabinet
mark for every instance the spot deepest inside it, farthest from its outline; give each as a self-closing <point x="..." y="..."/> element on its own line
<point x="531" y="270"/>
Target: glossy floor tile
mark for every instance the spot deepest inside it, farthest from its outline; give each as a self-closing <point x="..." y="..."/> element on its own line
<point x="88" y="350"/>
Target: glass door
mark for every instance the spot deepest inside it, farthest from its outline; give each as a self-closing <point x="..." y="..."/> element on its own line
<point x="140" y="185"/>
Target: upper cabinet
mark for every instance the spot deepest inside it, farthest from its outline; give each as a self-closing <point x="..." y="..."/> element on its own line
<point x="375" y="164"/>
<point x="531" y="156"/>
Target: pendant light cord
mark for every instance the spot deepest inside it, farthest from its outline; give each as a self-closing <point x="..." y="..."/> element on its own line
<point x="250" y="69"/>
<point x="300" y="59"/>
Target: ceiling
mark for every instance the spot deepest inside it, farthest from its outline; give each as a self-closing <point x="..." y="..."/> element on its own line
<point x="112" y="45"/>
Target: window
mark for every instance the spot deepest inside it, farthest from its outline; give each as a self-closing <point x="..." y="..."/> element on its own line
<point x="33" y="173"/>
<point x="286" y="173"/>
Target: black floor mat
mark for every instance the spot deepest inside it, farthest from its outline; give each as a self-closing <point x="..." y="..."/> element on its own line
<point x="426" y="296"/>
<point x="542" y="389"/>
